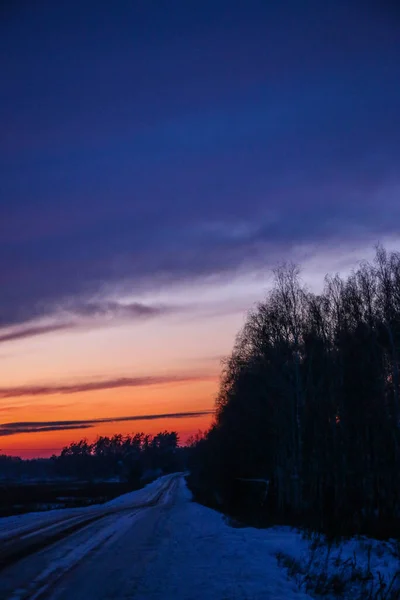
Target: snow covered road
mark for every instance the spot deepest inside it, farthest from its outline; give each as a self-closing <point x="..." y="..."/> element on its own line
<point x="151" y="544"/>
<point x="38" y="549"/>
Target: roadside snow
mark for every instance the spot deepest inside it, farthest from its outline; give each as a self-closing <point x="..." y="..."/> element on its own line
<point x="17" y="524"/>
<point x="200" y="556"/>
<point x="357" y="568"/>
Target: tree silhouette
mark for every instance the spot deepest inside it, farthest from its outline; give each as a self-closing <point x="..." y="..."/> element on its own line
<point x="309" y="401"/>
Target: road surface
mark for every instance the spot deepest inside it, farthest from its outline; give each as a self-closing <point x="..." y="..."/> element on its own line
<point x="39" y="560"/>
<point x="153" y="544"/>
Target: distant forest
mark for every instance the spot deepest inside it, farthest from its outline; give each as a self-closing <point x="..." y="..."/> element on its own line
<point x="307" y="427"/>
<point x="131" y="458"/>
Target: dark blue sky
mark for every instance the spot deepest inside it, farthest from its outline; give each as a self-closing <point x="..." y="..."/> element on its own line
<point x="181" y="138"/>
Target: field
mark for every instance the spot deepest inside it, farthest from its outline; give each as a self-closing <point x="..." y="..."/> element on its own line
<point x="18" y="498"/>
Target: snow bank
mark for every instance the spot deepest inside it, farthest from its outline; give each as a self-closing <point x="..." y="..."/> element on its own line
<point x="19" y="523"/>
<point x="200" y="556"/>
<point x="357" y="568"/>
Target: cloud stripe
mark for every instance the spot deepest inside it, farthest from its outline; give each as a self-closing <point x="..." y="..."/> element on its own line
<point x="78" y="312"/>
<point x="7" y="429"/>
<point x="32" y="331"/>
<point x="91" y="386"/>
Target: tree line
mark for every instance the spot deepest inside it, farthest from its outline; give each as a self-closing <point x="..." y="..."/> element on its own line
<point x="130" y="458"/>
<point x="133" y="459"/>
<point x="307" y="426"/>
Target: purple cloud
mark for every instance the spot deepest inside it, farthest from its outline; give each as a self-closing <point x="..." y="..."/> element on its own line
<point x="102" y="184"/>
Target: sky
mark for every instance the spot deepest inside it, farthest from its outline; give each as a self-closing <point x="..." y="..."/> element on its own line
<point x="157" y="160"/>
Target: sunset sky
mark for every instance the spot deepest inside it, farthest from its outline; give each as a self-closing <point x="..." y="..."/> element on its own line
<point x="157" y="160"/>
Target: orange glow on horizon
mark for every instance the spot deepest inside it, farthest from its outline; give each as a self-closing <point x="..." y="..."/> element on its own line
<point x="152" y="400"/>
<point x="183" y="349"/>
<point x="43" y="445"/>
